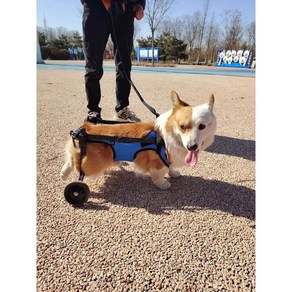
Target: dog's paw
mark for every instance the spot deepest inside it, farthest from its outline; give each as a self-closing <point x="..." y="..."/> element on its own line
<point x="162" y="184"/>
<point x="63" y="175"/>
<point x="173" y="173"/>
<point x="66" y="170"/>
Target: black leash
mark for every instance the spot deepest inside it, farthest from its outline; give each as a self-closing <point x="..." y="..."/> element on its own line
<point x="115" y="8"/>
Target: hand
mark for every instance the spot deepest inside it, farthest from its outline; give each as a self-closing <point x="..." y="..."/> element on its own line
<point x="138" y="11"/>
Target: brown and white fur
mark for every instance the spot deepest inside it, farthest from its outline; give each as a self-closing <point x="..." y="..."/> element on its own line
<point x="185" y="130"/>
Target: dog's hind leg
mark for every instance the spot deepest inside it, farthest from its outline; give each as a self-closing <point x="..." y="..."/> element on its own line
<point x="67" y="167"/>
<point x="149" y="161"/>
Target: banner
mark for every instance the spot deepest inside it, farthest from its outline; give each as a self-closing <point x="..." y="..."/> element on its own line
<point x="232" y="58"/>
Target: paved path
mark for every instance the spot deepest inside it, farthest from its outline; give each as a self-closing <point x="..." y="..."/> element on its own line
<point x="197" y="236"/>
<point x="177" y="69"/>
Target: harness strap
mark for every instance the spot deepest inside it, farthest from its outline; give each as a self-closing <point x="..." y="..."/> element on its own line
<point x="159" y="143"/>
<point x="81" y="135"/>
<point x="113" y="139"/>
<point x="111" y="122"/>
<point x="162" y="154"/>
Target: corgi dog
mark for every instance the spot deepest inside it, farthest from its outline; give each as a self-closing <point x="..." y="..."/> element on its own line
<point x="185" y="130"/>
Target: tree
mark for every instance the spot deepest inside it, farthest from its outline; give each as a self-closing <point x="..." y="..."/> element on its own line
<point x="171" y="48"/>
<point x="155" y="12"/>
<point x="212" y="39"/>
<point x="77" y="39"/>
<point x="146" y="42"/>
<point x="45" y="28"/>
<point x="42" y="39"/>
<point x="174" y="27"/>
<point x="233" y="29"/>
<point x="191" y="30"/>
<point x="251" y="36"/>
<point x="60" y="30"/>
<point x="203" y="24"/>
<point x="61" y="43"/>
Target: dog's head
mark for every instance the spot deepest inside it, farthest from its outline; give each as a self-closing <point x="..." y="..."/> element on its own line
<point x="193" y="127"/>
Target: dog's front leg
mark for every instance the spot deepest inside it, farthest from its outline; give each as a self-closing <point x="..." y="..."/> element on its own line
<point x="157" y="176"/>
<point x="173" y="173"/>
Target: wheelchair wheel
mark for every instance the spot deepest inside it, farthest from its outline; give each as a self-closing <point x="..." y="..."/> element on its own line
<point x="76" y="193"/>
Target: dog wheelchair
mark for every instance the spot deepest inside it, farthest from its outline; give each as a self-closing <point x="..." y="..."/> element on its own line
<point x="124" y="149"/>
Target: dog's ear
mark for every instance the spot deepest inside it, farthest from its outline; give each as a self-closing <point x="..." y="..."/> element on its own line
<point x="176" y="101"/>
<point x="211" y="101"/>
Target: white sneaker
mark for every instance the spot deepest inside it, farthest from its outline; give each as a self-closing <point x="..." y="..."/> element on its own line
<point x="125" y="115"/>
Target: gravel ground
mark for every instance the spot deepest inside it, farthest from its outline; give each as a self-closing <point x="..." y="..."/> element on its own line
<point x="197" y="236"/>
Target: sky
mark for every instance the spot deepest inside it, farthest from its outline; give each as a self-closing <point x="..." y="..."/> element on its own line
<point x="68" y="13"/>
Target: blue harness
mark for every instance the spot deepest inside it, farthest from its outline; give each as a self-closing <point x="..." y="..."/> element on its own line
<point x="124" y="148"/>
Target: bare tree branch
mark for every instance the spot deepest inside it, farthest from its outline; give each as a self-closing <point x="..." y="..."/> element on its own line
<point x="155" y="12"/>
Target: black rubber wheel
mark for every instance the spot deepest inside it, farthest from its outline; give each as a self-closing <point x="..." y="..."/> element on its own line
<point x="76" y="193"/>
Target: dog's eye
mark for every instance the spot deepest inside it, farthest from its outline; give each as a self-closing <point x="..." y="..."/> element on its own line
<point x="183" y="128"/>
<point x="202" y="127"/>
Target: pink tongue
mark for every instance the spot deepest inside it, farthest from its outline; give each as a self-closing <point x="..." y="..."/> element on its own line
<point x="192" y="158"/>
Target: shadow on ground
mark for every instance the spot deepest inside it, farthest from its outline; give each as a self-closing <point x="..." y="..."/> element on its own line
<point x="233" y="147"/>
<point x="186" y="193"/>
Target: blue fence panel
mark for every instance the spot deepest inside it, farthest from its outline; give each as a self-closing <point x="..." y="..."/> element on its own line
<point x="146" y="54"/>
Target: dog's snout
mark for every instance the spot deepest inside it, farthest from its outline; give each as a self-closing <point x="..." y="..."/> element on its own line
<point x="193" y="147"/>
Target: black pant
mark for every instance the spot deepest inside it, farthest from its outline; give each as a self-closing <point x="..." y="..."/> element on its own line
<point x="97" y="26"/>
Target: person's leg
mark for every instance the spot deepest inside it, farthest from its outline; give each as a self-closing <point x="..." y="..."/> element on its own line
<point x="122" y="36"/>
<point x="96" y="29"/>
